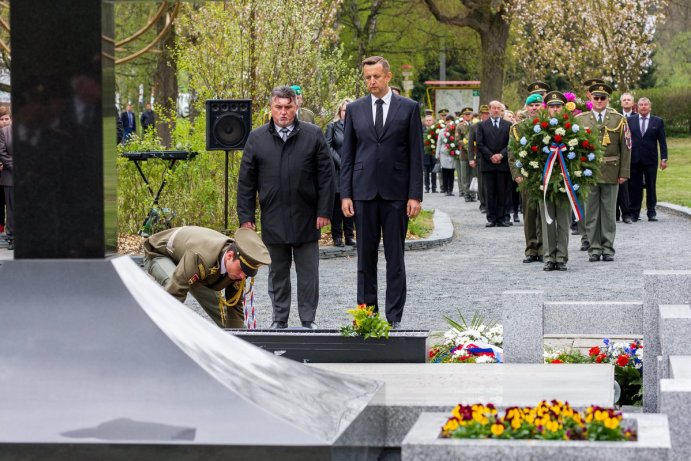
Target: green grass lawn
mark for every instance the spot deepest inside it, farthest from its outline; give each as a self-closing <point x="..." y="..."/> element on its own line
<point x="674" y="183"/>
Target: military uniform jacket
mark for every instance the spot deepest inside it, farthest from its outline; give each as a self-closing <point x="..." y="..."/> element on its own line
<point x="198" y="253"/>
<point x="516" y="131"/>
<point x="617" y="156"/>
<point x="462" y="130"/>
<point x="472" y="148"/>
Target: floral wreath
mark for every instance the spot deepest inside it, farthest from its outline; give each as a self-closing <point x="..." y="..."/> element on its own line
<point x="432" y="135"/>
<point x="576" y="104"/>
<point x="448" y="137"/>
<point x="558" y="159"/>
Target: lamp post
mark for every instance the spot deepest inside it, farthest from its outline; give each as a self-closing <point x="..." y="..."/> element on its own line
<point x="407" y="71"/>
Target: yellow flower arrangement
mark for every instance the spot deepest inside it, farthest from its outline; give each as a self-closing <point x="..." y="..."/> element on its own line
<point x="553" y="420"/>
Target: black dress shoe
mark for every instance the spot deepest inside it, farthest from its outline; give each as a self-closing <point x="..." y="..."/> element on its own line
<point x="449" y="194"/>
<point x="427" y="190"/>
<point x="491" y="224"/>
<point x="593" y="258"/>
<point x="338" y="243"/>
<point x="504" y="224"/>
<point x="309" y="325"/>
<point x="560" y="266"/>
<point x="540" y="258"/>
<point x="607" y="258"/>
<point x="531" y="259"/>
<point x="278" y="325"/>
<point x="585" y="246"/>
<point x="628" y="220"/>
<point x="434" y="191"/>
<point x="652" y="219"/>
<point x="515" y="218"/>
<point x="350" y="241"/>
<point x="574" y="232"/>
<point x="549" y="266"/>
<point x="395" y="325"/>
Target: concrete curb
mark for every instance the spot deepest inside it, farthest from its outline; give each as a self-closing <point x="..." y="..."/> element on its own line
<point x="678" y="210"/>
<point x="442" y="234"/>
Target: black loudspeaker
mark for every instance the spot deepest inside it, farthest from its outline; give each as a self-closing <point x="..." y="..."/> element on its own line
<point x="228" y="123"/>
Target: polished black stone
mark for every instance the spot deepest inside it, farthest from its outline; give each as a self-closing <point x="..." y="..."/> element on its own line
<point x="58" y="94"/>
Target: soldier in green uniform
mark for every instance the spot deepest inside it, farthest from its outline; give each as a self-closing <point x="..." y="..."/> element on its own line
<point x="204" y="262"/>
<point x="303" y="114"/>
<point x="600" y="207"/>
<point x="538" y="87"/>
<point x="474" y="158"/>
<point x="555" y="234"/>
<point x="466" y="173"/>
<point x="580" y="227"/>
<point x="532" y="223"/>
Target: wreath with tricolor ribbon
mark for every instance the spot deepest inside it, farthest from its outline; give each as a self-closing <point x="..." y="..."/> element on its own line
<point x="558" y="159"/>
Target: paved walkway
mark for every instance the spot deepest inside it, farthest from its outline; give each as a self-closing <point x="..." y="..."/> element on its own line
<point x="470" y="273"/>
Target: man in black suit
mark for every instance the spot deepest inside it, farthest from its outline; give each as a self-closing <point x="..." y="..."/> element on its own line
<point x="129" y="123"/>
<point x="492" y="140"/>
<point x="647" y="132"/>
<point x="381" y="182"/>
<point x="6" y="182"/>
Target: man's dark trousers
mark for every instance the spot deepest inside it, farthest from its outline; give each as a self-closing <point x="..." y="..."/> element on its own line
<point x="497" y="186"/>
<point x="306" y="257"/>
<point x="372" y="217"/>
<point x="643" y="176"/>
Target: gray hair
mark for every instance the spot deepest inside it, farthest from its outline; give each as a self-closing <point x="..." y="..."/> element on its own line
<point x="283" y="92"/>
<point x="644" y="99"/>
<point x="625" y="94"/>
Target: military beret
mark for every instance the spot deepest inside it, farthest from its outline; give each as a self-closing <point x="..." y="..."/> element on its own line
<point x="251" y="251"/>
<point x="538" y="87"/>
<point x="297" y="89"/>
<point x="467" y="111"/>
<point x="535" y="97"/>
<point x="555" y="98"/>
<point x="592" y="81"/>
<point x="600" y="89"/>
<point x="484" y="109"/>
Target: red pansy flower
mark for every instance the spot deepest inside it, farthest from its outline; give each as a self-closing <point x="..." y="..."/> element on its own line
<point x="556" y="361"/>
<point x="623" y="360"/>
<point x="594" y="351"/>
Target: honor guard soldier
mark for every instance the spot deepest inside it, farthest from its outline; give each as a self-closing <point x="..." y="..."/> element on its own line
<point x="600" y="207"/>
<point x="474" y="158"/>
<point x="538" y="87"/>
<point x="205" y="262"/>
<point x="532" y="224"/>
<point x="466" y="173"/>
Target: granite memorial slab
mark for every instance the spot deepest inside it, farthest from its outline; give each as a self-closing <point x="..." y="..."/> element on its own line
<point x="415" y="388"/>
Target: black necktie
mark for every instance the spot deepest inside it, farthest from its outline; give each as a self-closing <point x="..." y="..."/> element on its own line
<point x="496" y="122"/>
<point x="379" y="117"/>
<point x="599" y="118"/>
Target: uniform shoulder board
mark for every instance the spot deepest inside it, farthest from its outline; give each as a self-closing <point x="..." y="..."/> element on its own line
<point x="582" y="114"/>
<point x="614" y="112"/>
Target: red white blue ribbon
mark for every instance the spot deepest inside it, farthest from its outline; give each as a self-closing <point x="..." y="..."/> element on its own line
<point x="250" y="316"/>
<point x="557" y="154"/>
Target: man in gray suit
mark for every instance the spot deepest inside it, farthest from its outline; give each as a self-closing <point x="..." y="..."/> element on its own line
<point x="6" y="167"/>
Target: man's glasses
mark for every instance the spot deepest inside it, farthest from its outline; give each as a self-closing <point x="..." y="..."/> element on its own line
<point x="599" y="98"/>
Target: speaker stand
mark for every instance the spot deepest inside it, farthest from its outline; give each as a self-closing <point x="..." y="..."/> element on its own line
<point x="225" y="213"/>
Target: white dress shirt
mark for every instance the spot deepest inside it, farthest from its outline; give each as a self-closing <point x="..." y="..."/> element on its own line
<point x="385" y="106"/>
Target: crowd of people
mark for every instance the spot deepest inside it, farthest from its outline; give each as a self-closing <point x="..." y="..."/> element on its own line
<point x="366" y="174"/>
<point x="633" y="148"/>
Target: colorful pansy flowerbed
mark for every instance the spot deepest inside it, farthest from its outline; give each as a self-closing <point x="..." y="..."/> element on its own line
<point x="366" y="323"/>
<point x="627" y="359"/>
<point x="553" y="420"/>
<point x="558" y="159"/>
<point x="474" y="342"/>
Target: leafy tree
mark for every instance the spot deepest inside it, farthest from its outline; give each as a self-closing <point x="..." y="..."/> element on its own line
<point x="576" y="40"/>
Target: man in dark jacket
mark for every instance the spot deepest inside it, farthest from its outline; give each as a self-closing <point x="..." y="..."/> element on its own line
<point x="288" y="164"/>
<point x="492" y="139"/>
<point x="6" y="183"/>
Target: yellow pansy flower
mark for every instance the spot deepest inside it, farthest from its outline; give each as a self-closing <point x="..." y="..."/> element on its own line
<point x="497" y="429"/>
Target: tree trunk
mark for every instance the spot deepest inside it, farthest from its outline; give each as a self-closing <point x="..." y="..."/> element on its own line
<point x="493" y="41"/>
<point x="166" y="83"/>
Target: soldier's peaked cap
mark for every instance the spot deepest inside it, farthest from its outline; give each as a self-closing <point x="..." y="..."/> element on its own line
<point x="555" y="98"/>
<point x="538" y="87"/>
<point x="251" y="251"/>
<point x="600" y="89"/>
<point x="592" y="81"/>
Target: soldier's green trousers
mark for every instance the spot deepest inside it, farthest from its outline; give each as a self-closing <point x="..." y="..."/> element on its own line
<point x="555" y="236"/>
<point x="161" y="268"/>
<point x="532" y="226"/>
<point x="600" y="218"/>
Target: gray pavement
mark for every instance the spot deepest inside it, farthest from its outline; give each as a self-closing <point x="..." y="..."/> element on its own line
<point x="470" y="272"/>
